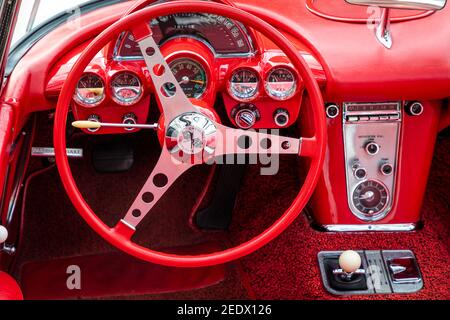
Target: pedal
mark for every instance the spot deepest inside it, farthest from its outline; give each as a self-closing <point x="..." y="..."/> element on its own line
<point x="111" y="156"/>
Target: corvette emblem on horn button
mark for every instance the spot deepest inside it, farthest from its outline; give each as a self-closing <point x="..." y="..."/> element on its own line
<point x="191" y="133"/>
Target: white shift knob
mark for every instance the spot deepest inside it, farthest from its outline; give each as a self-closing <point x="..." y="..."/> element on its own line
<point x="3" y="234"/>
<point x="350" y="261"/>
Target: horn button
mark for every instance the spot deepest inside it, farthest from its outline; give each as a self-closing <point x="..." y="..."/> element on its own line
<point x="191" y="134"/>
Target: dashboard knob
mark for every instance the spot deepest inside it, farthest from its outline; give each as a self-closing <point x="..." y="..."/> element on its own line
<point x="350" y="261"/>
<point x="360" y="173"/>
<point x="372" y="148"/>
<point x="93" y="118"/>
<point x="281" y="117"/>
<point x="332" y="111"/>
<point x="129" y="118"/>
<point x="386" y="169"/>
<point x="245" y="118"/>
<point x="414" y="108"/>
<point x="3" y="234"/>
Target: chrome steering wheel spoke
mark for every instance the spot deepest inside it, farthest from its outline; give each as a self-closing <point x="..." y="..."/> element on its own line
<point x="238" y="141"/>
<point x="165" y="173"/>
<point x="171" y="97"/>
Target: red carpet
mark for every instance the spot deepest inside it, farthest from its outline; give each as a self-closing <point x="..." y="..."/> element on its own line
<point x="287" y="268"/>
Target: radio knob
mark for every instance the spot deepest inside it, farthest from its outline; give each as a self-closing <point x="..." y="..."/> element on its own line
<point x="372" y="148"/>
<point x="360" y="173"/>
<point x="245" y="118"/>
<point x="386" y="169"/>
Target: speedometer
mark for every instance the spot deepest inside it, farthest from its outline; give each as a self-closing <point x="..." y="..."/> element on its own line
<point x="281" y="83"/>
<point x="244" y="84"/>
<point x="191" y="76"/>
<point x="126" y="88"/>
<point x="90" y="90"/>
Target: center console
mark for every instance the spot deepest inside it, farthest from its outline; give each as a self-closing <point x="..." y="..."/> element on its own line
<point x="376" y="165"/>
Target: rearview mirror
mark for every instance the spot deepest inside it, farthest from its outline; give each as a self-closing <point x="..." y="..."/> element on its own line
<point x="402" y="4"/>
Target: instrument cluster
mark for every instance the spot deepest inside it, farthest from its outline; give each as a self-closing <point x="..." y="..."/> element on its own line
<point x="261" y="91"/>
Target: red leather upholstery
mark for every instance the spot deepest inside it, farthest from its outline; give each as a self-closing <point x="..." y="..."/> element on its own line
<point x="9" y="289"/>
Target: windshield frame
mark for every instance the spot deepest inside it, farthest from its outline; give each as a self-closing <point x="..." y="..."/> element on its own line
<point x="34" y="13"/>
<point x="24" y="44"/>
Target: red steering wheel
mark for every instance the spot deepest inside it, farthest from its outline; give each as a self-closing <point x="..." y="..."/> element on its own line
<point x="191" y="137"/>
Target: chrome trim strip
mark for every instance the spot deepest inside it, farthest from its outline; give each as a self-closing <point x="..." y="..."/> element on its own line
<point x="370" y="227"/>
<point x="50" y="152"/>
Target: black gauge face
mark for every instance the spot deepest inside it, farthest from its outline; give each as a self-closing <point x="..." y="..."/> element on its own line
<point x="281" y="83"/>
<point x="191" y="76"/>
<point x="244" y="84"/>
<point x="126" y="88"/>
<point x="90" y="90"/>
<point x="221" y="33"/>
<point x="370" y="197"/>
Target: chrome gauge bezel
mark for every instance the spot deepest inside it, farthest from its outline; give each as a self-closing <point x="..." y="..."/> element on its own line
<point x="282" y="96"/>
<point x="233" y="93"/>
<point x="123" y="101"/>
<point x="89" y="103"/>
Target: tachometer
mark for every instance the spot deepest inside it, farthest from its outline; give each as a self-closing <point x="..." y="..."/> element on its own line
<point x="126" y="88"/>
<point x="281" y="83"/>
<point x="224" y="35"/>
<point x="191" y="76"/>
<point x="90" y="90"/>
<point x="244" y="84"/>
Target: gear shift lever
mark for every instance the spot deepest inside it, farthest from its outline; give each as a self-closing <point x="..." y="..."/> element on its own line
<point x="350" y="263"/>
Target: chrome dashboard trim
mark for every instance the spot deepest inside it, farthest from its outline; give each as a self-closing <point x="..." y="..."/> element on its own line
<point x="401" y="227"/>
<point x="356" y="126"/>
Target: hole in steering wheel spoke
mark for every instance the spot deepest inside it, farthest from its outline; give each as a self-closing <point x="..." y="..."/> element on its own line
<point x="136" y="213"/>
<point x="266" y="143"/>
<point x="148" y="197"/>
<point x="150" y="51"/>
<point x="159" y="70"/>
<point x="168" y="89"/>
<point x="160" y="180"/>
<point x="244" y="142"/>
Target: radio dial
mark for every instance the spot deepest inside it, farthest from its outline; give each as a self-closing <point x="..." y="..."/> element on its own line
<point x="372" y="148"/>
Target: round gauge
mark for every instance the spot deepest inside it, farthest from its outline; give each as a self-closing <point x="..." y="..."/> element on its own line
<point x="90" y="90"/>
<point x="244" y="84"/>
<point x="281" y="83"/>
<point x="190" y="75"/>
<point x="126" y="88"/>
<point x="370" y="197"/>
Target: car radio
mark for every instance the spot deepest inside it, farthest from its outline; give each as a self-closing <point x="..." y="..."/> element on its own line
<point x="371" y="138"/>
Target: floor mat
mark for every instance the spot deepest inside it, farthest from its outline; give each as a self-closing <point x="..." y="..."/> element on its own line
<point x="113" y="274"/>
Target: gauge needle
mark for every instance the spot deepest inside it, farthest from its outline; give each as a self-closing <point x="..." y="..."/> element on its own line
<point x="197" y="81"/>
<point x="368" y="195"/>
<point x="186" y="80"/>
